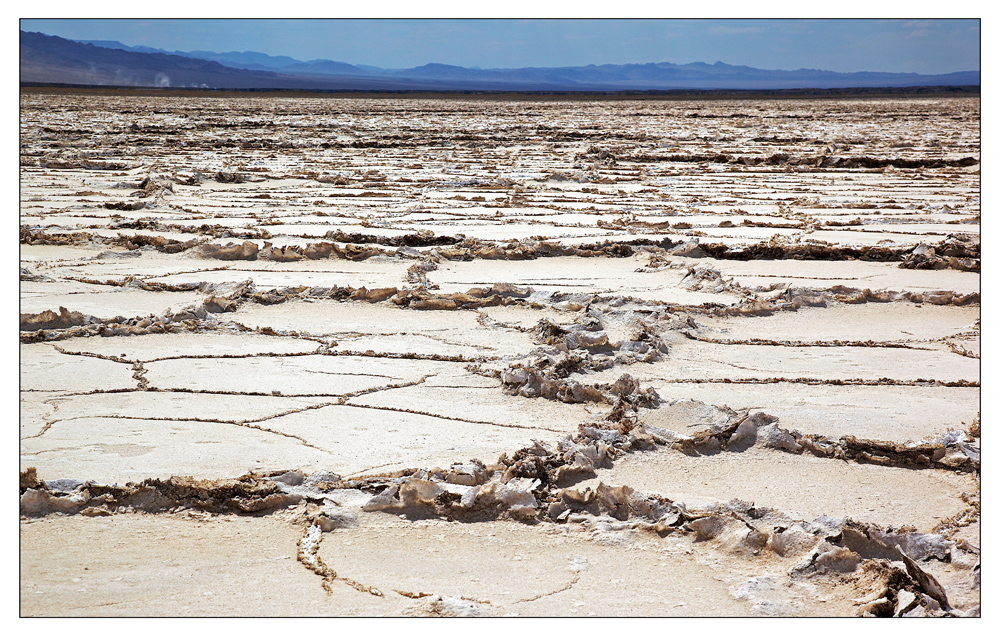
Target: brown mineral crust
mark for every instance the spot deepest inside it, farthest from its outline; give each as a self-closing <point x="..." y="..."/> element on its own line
<point x="38" y="237"/>
<point x="806" y="251"/>
<point x="28" y="479"/>
<point x="52" y="320"/>
<point x="248" y="494"/>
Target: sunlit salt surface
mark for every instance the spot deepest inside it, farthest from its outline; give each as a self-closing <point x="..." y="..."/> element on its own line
<point x="477" y="357"/>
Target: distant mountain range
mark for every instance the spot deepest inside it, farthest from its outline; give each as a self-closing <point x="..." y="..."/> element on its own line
<point x="55" y="60"/>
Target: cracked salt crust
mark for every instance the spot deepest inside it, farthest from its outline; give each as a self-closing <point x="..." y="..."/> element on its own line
<point x="165" y="364"/>
<point x="803" y="486"/>
<point x="892" y="413"/>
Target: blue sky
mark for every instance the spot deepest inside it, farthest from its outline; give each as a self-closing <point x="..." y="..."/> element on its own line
<point x="846" y="45"/>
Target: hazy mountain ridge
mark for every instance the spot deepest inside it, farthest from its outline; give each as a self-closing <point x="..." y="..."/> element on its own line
<point x="106" y="62"/>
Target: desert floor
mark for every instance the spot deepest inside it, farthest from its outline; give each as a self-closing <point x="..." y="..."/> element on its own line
<point x="287" y="356"/>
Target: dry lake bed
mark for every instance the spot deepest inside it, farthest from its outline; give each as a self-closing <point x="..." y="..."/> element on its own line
<point x="318" y="356"/>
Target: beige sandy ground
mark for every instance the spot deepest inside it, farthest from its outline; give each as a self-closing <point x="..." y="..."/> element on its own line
<point x="477" y="240"/>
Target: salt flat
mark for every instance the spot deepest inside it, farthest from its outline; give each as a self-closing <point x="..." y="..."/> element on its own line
<point x="481" y="357"/>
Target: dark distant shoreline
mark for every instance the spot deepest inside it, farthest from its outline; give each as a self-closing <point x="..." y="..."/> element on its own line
<point x="672" y="94"/>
